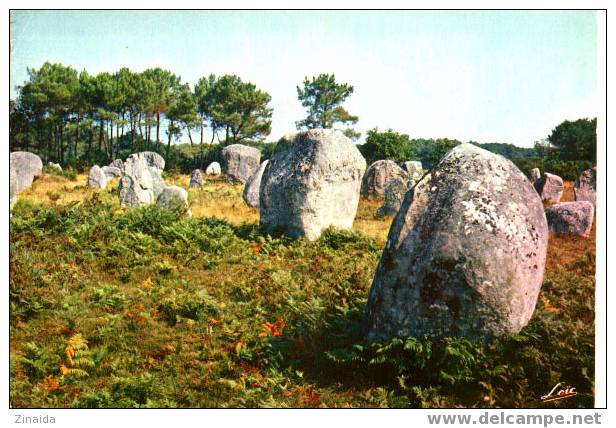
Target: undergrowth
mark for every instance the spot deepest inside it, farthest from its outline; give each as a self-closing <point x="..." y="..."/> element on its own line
<point x="139" y="308"/>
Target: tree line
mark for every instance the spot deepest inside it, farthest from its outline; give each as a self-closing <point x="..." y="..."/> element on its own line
<point x="73" y="117"/>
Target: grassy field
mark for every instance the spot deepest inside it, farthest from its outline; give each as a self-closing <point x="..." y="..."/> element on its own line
<point x="138" y="308"/>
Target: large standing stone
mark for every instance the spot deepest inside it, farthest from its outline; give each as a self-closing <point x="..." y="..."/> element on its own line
<point x="394" y="195"/>
<point x="213" y="169"/>
<point x="142" y="181"/>
<point x="535" y="175"/>
<point x="465" y="254"/>
<point x="12" y="188"/>
<point x="97" y="178"/>
<point x="156" y="165"/>
<point x="414" y="169"/>
<point x="26" y="166"/>
<point x="571" y="218"/>
<point x="117" y="163"/>
<point x="585" y="187"/>
<point x="251" y="188"/>
<point x="310" y="183"/>
<point x="196" y="179"/>
<point x="174" y="198"/>
<point x="111" y="171"/>
<point x="240" y="162"/>
<point x="550" y="187"/>
<point x="377" y="176"/>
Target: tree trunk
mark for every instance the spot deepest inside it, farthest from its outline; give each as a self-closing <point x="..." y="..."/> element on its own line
<point x="169" y="139"/>
<point x="201" y="131"/>
<point x="157" y="127"/>
<point x="189" y="136"/>
<point x="100" y="137"/>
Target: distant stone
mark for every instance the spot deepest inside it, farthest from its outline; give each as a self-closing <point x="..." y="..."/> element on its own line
<point x="142" y="181"/>
<point x="117" y="163"/>
<point x="213" y="169"/>
<point x="196" y="179"/>
<point x="174" y="198"/>
<point x="12" y="188"/>
<point x="26" y="166"/>
<point x="535" y="175"/>
<point x="377" y="176"/>
<point x="251" y="188"/>
<point x="56" y="166"/>
<point x="97" y="178"/>
<point x="550" y="187"/>
<point x="571" y="218"/>
<point x="111" y="171"/>
<point x="311" y="183"/>
<point x="585" y="187"/>
<point x="465" y="254"/>
<point x="414" y="169"/>
<point x="395" y="190"/>
<point x="240" y="162"/>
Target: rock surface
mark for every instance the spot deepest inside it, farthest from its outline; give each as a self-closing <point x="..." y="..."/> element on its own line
<point x="117" y="163"/>
<point x="394" y="195"/>
<point x="571" y="218"/>
<point x="26" y="167"/>
<point x="196" y="179"/>
<point x="377" y="176"/>
<point x="251" y="188"/>
<point x="174" y="198"/>
<point x="535" y="175"/>
<point x="97" y="178"/>
<point x="585" y="187"/>
<point x="142" y="181"/>
<point x="111" y="171"/>
<point x="240" y="162"/>
<point x="12" y="188"/>
<point x="465" y="254"/>
<point x="55" y="166"/>
<point x="414" y="169"/>
<point x="550" y="187"/>
<point x="310" y="183"/>
<point x="213" y="169"/>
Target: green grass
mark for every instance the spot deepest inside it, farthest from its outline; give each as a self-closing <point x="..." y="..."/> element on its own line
<point x="139" y="308"/>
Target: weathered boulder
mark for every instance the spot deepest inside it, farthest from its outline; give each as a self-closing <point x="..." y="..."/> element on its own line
<point x="310" y="183"/>
<point x="111" y="171"/>
<point x="550" y="187"/>
<point x="240" y="162"/>
<point x="117" y="163"/>
<point x="196" y="179"/>
<point x="465" y="254"/>
<point x="395" y="190"/>
<point x="213" y="169"/>
<point x="174" y="198"/>
<point x="535" y="175"/>
<point x="585" y="187"/>
<point x="97" y="178"/>
<point x="571" y="218"/>
<point x="26" y="166"/>
<point x="377" y="176"/>
<point x="141" y="182"/>
<point x="414" y="169"/>
<point x="251" y="188"/>
<point x="12" y="188"/>
<point x="56" y="166"/>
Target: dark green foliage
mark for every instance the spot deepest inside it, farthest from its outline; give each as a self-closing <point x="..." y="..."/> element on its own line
<point x="323" y="99"/>
<point x="387" y="145"/>
<point x="576" y="140"/>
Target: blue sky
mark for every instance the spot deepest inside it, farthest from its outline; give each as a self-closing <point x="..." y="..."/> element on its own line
<point x="486" y="76"/>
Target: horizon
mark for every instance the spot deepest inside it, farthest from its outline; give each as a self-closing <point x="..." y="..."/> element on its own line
<point x="510" y="68"/>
